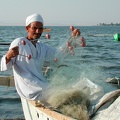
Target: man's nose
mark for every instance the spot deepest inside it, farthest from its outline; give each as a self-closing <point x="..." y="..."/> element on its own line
<point x="37" y="30"/>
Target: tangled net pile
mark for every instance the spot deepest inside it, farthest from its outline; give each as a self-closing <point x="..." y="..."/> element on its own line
<point x="71" y="102"/>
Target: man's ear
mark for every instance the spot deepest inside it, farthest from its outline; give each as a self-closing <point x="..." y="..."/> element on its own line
<point x="27" y="28"/>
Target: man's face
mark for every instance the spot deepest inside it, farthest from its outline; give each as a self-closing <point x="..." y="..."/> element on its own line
<point x="34" y="30"/>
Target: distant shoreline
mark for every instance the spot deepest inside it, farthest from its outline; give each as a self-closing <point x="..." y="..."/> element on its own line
<point x="111" y="24"/>
<point x="65" y="25"/>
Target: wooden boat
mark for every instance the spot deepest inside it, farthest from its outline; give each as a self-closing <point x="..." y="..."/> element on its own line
<point x="33" y="110"/>
<point x="36" y="111"/>
<point x="46" y="30"/>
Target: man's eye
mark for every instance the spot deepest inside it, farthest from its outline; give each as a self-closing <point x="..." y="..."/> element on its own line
<point x="40" y="28"/>
<point x="34" y="28"/>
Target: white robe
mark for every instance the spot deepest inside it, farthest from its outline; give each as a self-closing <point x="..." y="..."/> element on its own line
<point x="29" y="79"/>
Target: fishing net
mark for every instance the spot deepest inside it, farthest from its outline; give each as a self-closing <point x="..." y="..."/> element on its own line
<point x="65" y="53"/>
<point x="63" y="75"/>
<point x="68" y="69"/>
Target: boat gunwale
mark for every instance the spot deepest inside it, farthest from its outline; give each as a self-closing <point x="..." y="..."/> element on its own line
<point x="54" y="114"/>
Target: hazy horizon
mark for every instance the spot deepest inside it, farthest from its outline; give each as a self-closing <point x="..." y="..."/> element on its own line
<point x="60" y="13"/>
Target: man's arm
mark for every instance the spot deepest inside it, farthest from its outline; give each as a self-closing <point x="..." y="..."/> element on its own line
<point x="12" y="53"/>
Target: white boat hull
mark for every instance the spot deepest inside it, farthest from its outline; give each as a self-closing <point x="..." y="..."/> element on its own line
<point x="40" y="113"/>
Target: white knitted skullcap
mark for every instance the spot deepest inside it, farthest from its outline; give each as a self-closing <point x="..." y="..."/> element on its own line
<point x="34" y="18"/>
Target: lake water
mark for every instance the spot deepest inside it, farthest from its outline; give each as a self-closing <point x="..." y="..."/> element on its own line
<point x="99" y="60"/>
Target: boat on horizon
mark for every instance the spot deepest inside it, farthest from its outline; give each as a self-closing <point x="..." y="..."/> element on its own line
<point x="46" y="30"/>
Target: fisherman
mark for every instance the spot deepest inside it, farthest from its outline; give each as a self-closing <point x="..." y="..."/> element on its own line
<point x="26" y="55"/>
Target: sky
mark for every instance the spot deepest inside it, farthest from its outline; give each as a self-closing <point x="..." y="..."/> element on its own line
<point x="60" y="12"/>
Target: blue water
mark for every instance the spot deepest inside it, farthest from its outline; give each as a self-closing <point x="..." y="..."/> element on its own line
<point x="99" y="60"/>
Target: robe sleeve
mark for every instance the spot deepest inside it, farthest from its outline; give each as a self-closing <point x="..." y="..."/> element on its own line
<point x="9" y="65"/>
<point x="5" y="66"/>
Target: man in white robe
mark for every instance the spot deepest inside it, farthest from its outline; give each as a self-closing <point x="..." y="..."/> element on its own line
<point x="26" y="56"/>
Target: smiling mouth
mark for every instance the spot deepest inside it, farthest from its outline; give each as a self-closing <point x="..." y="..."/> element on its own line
<point x="36" y="36"/>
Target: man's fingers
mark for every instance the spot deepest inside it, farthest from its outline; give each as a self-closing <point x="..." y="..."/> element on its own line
<point x="14" y="51"/>
<point x="15" y="48"/>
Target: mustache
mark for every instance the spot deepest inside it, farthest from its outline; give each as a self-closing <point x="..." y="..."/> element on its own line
<point x="37" y="33"/>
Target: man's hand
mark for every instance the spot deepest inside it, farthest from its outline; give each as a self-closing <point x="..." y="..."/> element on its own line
<point x="12" y="53"/>
<point x="75" y="32"/>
